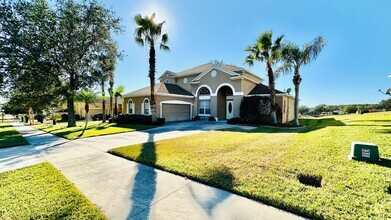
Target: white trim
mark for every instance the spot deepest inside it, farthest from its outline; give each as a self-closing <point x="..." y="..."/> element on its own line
<point x="173" y="95"/>
<point x="243" y="77"/>
<point x="204" y="97"/>
<point x="208" y="87"/>
<point x="229" y="85"/>
<point x="176" y="102"/>
<point x="142" y="107"/>
<point x="203" y="114"/>
<point x="263" y="95"/>
<point x="229" y="72"/>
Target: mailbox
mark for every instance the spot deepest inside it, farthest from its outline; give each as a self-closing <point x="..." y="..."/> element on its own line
<point x="364" y="152"/>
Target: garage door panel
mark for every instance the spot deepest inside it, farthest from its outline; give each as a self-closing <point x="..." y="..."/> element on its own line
<point x="174" y="112"/>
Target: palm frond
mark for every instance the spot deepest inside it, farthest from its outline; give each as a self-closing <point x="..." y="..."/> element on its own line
<point x="164" y="47"/>
<point x="165" y="38"/>
<point x="139" y="41"/>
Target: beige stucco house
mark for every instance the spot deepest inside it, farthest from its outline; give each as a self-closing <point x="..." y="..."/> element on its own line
<point x="96" y="108"/>
<point x="206" y="90"/>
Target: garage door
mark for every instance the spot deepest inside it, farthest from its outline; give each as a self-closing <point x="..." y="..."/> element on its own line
<point x="175" y="112"/>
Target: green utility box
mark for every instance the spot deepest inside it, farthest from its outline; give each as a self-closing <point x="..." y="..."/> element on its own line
<point x="364" y="152"/>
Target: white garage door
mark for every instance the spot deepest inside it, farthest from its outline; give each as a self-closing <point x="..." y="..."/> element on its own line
<point x="176" y="112"/>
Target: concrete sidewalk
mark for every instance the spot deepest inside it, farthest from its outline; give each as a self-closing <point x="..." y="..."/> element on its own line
<point x="128" y="190"/>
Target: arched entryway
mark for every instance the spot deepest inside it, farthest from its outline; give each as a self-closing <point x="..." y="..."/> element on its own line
<point x="225" y="103"/>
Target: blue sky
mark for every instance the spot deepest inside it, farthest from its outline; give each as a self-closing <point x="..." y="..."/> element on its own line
<point x="350" y="70"/>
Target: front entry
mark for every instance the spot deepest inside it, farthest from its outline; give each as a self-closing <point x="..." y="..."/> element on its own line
<point x="230" y="109"/>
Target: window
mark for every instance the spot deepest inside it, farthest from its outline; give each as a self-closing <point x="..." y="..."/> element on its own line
<point x="146" y="107"/>
<point x="204" y="91"/>
<point x="167" y="81"/>
<point x="204" y="107"/>
<point x="130" y="107"/>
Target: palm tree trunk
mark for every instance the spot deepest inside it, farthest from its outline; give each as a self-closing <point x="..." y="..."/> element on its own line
<point x="115" y="106"/>
<point x="71" y="102"/>
<point x="103" y="102"/>
<point x="270" y="74"/>
<point x="152" y="70"/>
<point x="87" y="108"/>
<point x="296" y="81"/>
<point x="111" y="83"/>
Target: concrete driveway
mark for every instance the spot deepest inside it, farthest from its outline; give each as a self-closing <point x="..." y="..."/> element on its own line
<point x="128" y="190"/>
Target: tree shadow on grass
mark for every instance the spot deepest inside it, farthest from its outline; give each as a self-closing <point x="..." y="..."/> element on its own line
<point x="308" y="125"/>
<point x="144" y="186"/>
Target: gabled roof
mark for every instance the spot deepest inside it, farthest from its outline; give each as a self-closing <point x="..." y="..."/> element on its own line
<point x="201" y="68"/>
<point x="261" y="89"/>
<point x="162" y="88"/>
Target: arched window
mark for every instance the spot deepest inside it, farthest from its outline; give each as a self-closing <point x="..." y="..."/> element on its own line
<point x="131" y="107"/>
<point x="204" y="91"/>
<point x="204" y="102"/>
<point x="167" y="81"/>
<point x="146" y="107"/>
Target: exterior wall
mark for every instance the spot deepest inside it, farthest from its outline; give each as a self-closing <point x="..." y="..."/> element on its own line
<point x="137" y="104"/>
<point x="215" y="82"/>
<point x="247" y="86"/>
<point x="180" y="82"/>
<point x="286" y="104"/>
<point x="96" y="108"/>
<point x="251" y="76"/>
<point x="169" y="77"/>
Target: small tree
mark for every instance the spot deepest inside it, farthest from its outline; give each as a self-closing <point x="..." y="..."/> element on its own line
<point x="87" y="97"/>
<point x="117" y="93"/>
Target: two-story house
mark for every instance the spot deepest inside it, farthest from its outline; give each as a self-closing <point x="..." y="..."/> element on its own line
<point x="206" y="90"/>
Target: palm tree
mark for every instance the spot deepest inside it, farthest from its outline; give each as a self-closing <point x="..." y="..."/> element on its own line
<point x="149" y="33"/>
<point x="117" y="93"/>
<point x="88" y="97"/>
<point x="294" y="57"/>
<point x="110" y="90"/>
<point x="264" y="50"/>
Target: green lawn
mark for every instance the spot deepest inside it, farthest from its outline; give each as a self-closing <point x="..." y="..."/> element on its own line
<point x="265" y="164"/>
<point x="95" y="128"/>
<point x="9" y="136"/>
<point x="42" y="192"/>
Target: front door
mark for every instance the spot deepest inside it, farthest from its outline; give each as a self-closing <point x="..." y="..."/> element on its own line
<point x="230" y="109"/>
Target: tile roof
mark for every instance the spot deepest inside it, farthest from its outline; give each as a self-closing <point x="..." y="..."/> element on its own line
<point x="159" y="88"/>
<point x="261" y="89"/>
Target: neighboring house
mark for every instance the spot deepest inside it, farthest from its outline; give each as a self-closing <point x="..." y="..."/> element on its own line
<point x="206" y="90"/>
<point x="96" y="107"/>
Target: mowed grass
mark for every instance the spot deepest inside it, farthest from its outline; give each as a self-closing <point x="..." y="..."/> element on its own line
<point x="42" y="192"/>
<point x="9" y="136"/>
<point x="95" y="128"/>
<point x="265" y="163"/>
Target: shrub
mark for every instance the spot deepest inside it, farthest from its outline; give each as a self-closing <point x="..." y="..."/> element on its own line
<point x="160" y="121"/>
<point x="211" y="118"/>
<point x="234" y="121"/>
<point x="257" y="110"/>
<point x="196" y="118"/>
<point x="40" y="118"/>
<point x="64" y="117"/>
<point x="133" y="119"/>
<point x="310" y="180"/>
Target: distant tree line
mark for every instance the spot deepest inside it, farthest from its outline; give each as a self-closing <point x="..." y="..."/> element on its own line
<point x="345" y="109"/>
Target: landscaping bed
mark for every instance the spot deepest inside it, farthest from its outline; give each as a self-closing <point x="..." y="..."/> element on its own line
<point x="305" y="171"/>
<point x="42" y="192"/>
<point x="95" y="128"/>
<point x="9" y="136"/>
